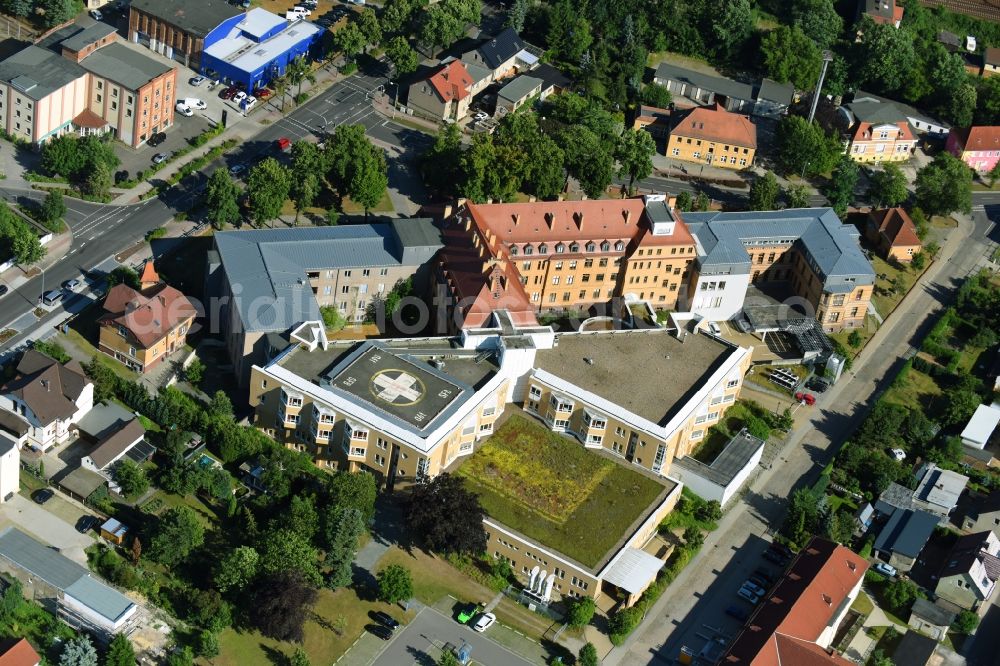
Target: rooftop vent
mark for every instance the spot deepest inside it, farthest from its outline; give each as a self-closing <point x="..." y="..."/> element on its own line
<point x="588" y="360"/>
<point x="828" y="599"/>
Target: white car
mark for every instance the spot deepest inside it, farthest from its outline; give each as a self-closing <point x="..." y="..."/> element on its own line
<point x="239" y="97"/>
<point x="898" y="454"/>
<point x="484" y="622"/>
<point x="194" y="103"/>
<point x="184" y="110"/>
<point x="480" y="117"/>
<point x="95" y="14"/>
<point x="249" y="102"/>
<point x="197" y="80"/>
<point x="885" y="569"/>
<point x="299" y="9"/>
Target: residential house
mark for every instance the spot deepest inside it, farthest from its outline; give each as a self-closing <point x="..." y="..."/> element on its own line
<point x="713" y="136"/>
<point x="14" y="427"/>
<point x="553" y="80"/>
<point x="904" y="536"/>
<point x="893" y="233"/>
<point x="501" y="55"/>
<point x="938" y="490"/>
<point x="50" y="396"/>
<point x="115" y="434"/>
<point x="258" y="49"/>
<point x="982" y="512"/>
<point x="921" y="122"/>
<point x="799" y="617"/>
<point x="969" y="575"/>
<point x="991" y="61"/>
<point x="83" y="80"/>
<point x="270" y="281"/>
<point x="18" y="652"/>
<point x="10" y="470"/>
<point x="979" y="147"/>
<point x="181" y="29"/>
<point x="444" y="95"/>
<point x="981" y="429"/>
<point x="689" y="87"/>
<point x="518" y="92"/>
<point x="877" y="132"/>
<point x="654" y="120"/>
<point x="885" y="12"/>
<point x="931" y="618"/>
<point x="141" y="327"/>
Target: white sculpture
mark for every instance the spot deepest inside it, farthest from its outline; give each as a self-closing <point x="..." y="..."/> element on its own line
<point x="532" y="577"/>
<point x="547" y="592"/>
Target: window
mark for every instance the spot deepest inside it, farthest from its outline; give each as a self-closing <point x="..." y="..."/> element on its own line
<point x="366" y="272"/>
<point x="381" y="444"/>
<point x="528" y="249"/>
<point x="605" y="246"/>
<point x="543" y="249"/>
<point x="560" y="248"/>
<point x="513" y="250"/>
<point x="379" y="460"/>
<point x="590" y="248"/>
<point x="489" y="411"/>
<point x="558" y="266"/>
<point x="697" y="434"/>
<point x="732" y="383"/>
<point x="345" y="289"/>
<point x="555" y="279"/>
<point x="535" y="392"/>
<point x="347" y="274"/>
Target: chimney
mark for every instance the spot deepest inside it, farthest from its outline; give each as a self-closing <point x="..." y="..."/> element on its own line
<point x="446" y="213"/>
<point x="45" y="385"/>
<point x="532" y="199"/>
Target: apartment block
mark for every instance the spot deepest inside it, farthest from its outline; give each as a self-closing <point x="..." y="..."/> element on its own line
<point x="267" y="282"/>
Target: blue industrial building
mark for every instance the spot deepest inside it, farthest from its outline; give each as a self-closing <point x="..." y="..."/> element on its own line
<point x="253" y="48"/>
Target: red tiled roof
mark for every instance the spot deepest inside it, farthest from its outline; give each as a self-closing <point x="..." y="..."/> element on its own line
<point x="982" y="137"/>
<point x="713" y="123"/>
<point x="149" y="274"/>
<point x="89" y="119"/>
<point x="20" y="654"/>
<point x="863" y="131"/>
<point x="791" y="650"/>
<point x="799" y="607"/>
<point x="452" y="81"/>
<point x="896" y="225"/>
<point x="147" y="316"/>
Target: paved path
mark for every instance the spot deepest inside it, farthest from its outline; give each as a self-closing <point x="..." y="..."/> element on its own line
<point x="862" y="644"/>
<point x="691" y="611"/>
<point x="46" y="527"/>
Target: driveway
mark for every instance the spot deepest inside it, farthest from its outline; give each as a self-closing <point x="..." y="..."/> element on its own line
<point x="46" y="526"/>
<point x="422" y="640"/>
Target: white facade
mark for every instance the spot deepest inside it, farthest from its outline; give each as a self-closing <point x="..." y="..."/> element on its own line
<point x="10" y="464"/>
<point x="719" y="297"/>
<point x="827" y="636"/>
<point x="44" y="436"/>
<point x="706" y="488"/>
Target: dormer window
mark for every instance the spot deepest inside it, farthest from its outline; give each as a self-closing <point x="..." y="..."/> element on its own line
<point x="591" y="246"/>
<point x="619" y="246"/>
<point x="574" y="247"/>
<point x="543" y="249"/>
<point x="513" y="250"/>
<point x="605" y="246"/>
<point x="528" y="249"/>
<point x="560" y="248"/>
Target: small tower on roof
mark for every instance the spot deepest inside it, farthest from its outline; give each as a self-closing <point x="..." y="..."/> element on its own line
<point x="149" y="277"/>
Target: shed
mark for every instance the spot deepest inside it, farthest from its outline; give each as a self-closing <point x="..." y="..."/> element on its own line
<point x="513" y="95"/>
<point x="981" y="427"/>
<point x="931" y="618"/>
<point x="81" y="483"/>
<point x="114" y="531"/>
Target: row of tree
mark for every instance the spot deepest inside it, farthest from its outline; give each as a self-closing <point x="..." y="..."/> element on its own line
<point x="89" y="161"/>
<point x="47" y="12"/>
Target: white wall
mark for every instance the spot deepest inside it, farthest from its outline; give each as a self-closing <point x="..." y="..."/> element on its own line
<point x="10" y="464"/>
<point x="97" y="619"/>
<point x="830" y="631"/>
<point x="732" y="296"/>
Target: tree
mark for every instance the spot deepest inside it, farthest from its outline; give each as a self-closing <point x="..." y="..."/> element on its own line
<point x="195" y="372"/>
<point x="175" y="535"/>
<point x="819" y="20"/>
<point x="357" y="490"/>
<point x="53" y="209"/>
<point x="349" y="40"/>
<point x="702" y="202"/>
<point x="588" y="656"/>
<point x="441" y="164"/>
<point x="57" y="12"/>
<point x="208" y="644"/>
<point x="120" y="652"/>
<point x="123" y="275"/>
<point x="299" y="71"/>
<point x="78" y="651"/>
<point x="840" y="189"/>
<point x="944" y="186"/>
<point x="965" y="622"/>
<point x="100" y="180"/>
<point x="588" y="159"/>
<point x="394" y="584"/>
<point x="181" y="657"/>
<point x="764" y="193"/>
<point x="448" y="658"/>
<point x="656" y="95"/>
<point x="446" y="516"/>
<point x="370" y="178"/>
<point x="222" y="199"/>
<point x="888" y="186"/>
<point x="280" y="605"/>
<point x="302" y="517"/>
<point x="343" y="545"/>
<point x="516" y="15"/>
<point x="885" y="58"/>
<point x="900" y="594"/>
<point x="684" y="202"/>
<point x="961" y="404"/>
<point x="802" y="517"/>
<point x="731" y="26"/>
<point x="838" y="526"/>
<point x="280" y="81"/>
<point x="237" y="569"/>
<point x="402" y="56"/>
<point x="267" y="189"/>
<point x="285" y="550"/>
<point x="131" y="478"/>
<point x="19" y="8"/>
<point x="803" y="148"/>
<point x="993" y="175"/>
<point x="694" y="537"/>
<point x="791" y="57"/>
<point x="796" y="196"/>
<point x="438" y="28"/>
<point x="368" y="24"/>
<point x="396" y="16"/>
<point x="298" y="658"/>
<point x="581" y="612"/>
<point x="634" y="153"/>
<point x="136" y="551"/>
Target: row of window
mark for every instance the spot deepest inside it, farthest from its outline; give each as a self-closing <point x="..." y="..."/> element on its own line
<point x="561" y="248"/>
<point x="536" y="296"/>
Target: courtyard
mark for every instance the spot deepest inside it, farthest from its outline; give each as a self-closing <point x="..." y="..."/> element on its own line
<point x="548" y="487"/>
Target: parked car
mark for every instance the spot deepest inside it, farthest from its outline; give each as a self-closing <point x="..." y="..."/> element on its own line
<point x="195" y="103"/>
<point x="776" y="558"/>
<point x="71" y="284"/>
<point x="485" y="621"/>
<point x="385" y="633"/>
<point x="747" y="595"/>
<point x="156" y="139"/>
<point x="753" y="587"/>
<point x="51" y="297"/>
<point x="228" y="93"/>
<point x="96" y="15"/>
<point x="237" y="169"/>
<point x="807" y="398"/>
<point x="765" y="574"/>
<point x="184" y="109"/>
<point x="739" y="613"/>
<point x="238" y="97"/>
<point x="248" y="103"/>
<point x="466" y="613"/>
<point x="196" y="80"/>
<point x="262" y="93"/>
<point x="885" y="569"/>
<point x="87" y="523"/>
<point x="385" y="619"/>
<point x="759" y="581"/>
<point x="481" y="116"/>
<point x="299" y="9"/>
<point x="3" y="289"/>
<point x="160" y="158"/>
<point x="283" y="143"/>
<point x="42" y="496"/>
<point x="817" y="384"/>
<point x="781" y="548"/>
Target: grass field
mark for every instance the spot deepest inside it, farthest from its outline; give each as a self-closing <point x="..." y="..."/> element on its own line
<point x="551" y="489"/>
<point x="917" y="391"/>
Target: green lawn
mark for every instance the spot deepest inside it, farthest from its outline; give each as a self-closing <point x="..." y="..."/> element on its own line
<point x="885" y="301"/>
<point x="863" y="604"/>
<point x="551" y="489"/>
<point x="866" y="332"/>
<point x="384" y="205"/>
<point x="917" y="391"/>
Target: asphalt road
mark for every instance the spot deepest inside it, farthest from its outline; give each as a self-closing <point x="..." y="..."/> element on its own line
<point x="422" y="640"/>
<point x="691" y="612"/>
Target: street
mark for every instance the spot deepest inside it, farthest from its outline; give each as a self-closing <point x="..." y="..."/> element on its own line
<point x="691" y="611"/>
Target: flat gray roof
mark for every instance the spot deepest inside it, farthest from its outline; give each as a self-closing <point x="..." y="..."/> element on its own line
<point x="520" y="87"/>
<point x="88" y="35"/>
<point x="197" y="17"/>
<point x="106" y="601"/>
<point x="619" y="357"/>
<point x="125" y="66"/>
<point x="716" y="84"/>
<point x="38" y="559"/>
<point x="37" y="72"/>
<point x="249" y="55"/>
<point x="103" y="418"/>
<point x="940" y="487"/>
<point x="907" y="532"/>
<point x="267" y="268"/>
<point x="733" y="458"/>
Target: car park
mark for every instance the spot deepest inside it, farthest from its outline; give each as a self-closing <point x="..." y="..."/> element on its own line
<point x="160" y="158"/>
<point x="184" y="109"/>
<point x="485" y="621"/>
<point x="737" y="612"/>
<point x="96" y="14"/>
<point x="196" y="80"/>
<point x="385" y="633"/>
<point x="885" y="569"/>
<point x="42" y="496"/>
<point x="194" y="103"/>
<point x="747" y="595"/>
<point x="753" y="587"/>
<point x="87" y="523"/>
<point x="71" y="284"/>
<point x="238" y="97"/>
<point x="385" y="619"/>
<point x="156" y="139"/>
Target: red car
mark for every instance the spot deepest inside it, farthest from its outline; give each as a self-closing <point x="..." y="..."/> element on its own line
<point x="262" y="93"/>
<point x="229" y="92"/>
<point x="807" y="398"/>
<point x="283" y="143"/>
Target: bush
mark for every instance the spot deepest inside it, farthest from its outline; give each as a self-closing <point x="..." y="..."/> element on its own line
<point x="195" y="372"/>
<point x="349" y="68"/>
<point x="966" y="622"/>
<point x="854" y="339"/>
<point x="301" y="97"/>
<point x="623" y="623"/>
<point x="581" y="612"/>
<point x="394" y="584"/>
<point x="158" y="232"/>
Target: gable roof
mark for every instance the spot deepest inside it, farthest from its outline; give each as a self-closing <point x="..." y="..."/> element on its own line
<point x="772" y="91"/>
<point x="497" y="50"/>
<point x="716" y="84"/>
<point x="518" y="88"/>
<point x="896" y="225"/>
<point x="48" y="388"/>
<point x="86" y="36"/>
<point x="148" y="315"/>
<point x="906" y="533"/>
<point x="19" y="654"/>
<point x="714" y="123"/>
<point x="980" y="137"/>
<point x="914" y="650"/>
<point x="197" y="17"/>
<point x="801" y="605"/>
<point x="114" y="446"/>
<point x="931" y="612"/>
<point x="452" y="81"/>
<point x="884" y="11"/>
<point x="982" y="547"/>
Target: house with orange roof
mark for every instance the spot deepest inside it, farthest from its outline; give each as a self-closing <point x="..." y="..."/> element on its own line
<point x="797" y="620"/>
<point x="893" y="233"/>
<point x="713" y="136"/>
<point x="16" y="652"/>
<point x="878" y="132"/>
<point x="884" y="12"/>
<point x="445" y="94"/>
<point x="979" y="147"/>
<point x="525" y="257"/>
<point x="140" y="327"/>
